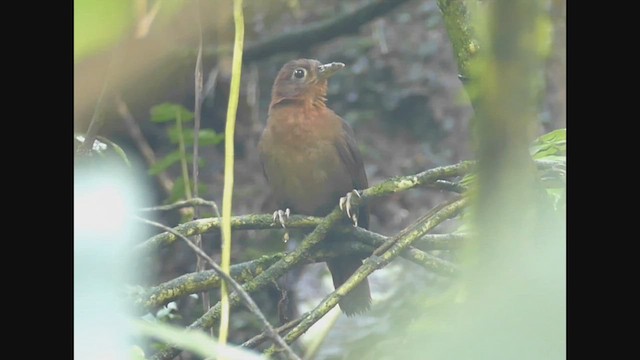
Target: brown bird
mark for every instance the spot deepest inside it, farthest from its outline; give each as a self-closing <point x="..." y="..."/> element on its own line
<point x="310" y="158"/>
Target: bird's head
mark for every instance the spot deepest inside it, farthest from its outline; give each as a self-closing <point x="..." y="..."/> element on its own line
<point x="303" y="80"/>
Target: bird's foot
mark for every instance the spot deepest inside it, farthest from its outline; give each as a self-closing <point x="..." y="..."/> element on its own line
<point x="280" y="217"/>
<point x="345" y="205"/>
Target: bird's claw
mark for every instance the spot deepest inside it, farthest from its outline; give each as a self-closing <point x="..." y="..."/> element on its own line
<point x="280" y="216"/>
<point x="345" y="205"/>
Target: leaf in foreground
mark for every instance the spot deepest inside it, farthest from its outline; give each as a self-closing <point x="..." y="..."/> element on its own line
<point x="194" y="341"/>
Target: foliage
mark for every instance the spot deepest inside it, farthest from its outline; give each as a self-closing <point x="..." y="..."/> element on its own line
<point x="178" y="114"/>
<point x="195" y="341"/>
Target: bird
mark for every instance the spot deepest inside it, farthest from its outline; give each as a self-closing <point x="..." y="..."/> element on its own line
<point x="310" y="159"/>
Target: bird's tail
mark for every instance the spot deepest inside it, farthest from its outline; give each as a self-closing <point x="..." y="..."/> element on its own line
<point x="359" y="299"/>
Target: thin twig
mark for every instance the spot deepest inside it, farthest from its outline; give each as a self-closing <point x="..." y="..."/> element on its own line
<point x="193" y="202"/>
<point x="448" y="186"/>
<point x="428" y="242"/>
<point x="385" y="246"/>
<point x="197" y="108"/>
<point x="260" y="338"/>
<point x="141" y="143"/>
<point x="97" y="119"/>
<point x="200" y="265"/>
<point x="238" y="289"/>
<point x="146" y="300"/>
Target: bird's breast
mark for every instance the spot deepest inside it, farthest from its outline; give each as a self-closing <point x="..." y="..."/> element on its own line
<point x="303" y="166"/>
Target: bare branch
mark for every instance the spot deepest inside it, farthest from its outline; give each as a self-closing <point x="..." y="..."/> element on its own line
<point x="141" y="143"/>
<point x="238" y="289"/>
<point x="260" y="338"/>
<point x="193" y="202"/>
<point x="321" y="31"/>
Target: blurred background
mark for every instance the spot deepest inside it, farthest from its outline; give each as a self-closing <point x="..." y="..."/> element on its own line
<point x="401" y="92"/>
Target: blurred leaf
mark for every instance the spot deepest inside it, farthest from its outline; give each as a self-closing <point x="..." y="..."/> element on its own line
<point x="194" y="341"/>
<point x="552" y="143"/>
<point x="554" y="136"/>
<point x="117" y="149"/>
<point x="137" y="353"/>
<point x="177" y="193"/>
<point x="207" y="137"/>
<point x="98" y="24"/>
<point x="165" y="163"/>
<point x="167" y="112"/>
<point x="171" y="159"/>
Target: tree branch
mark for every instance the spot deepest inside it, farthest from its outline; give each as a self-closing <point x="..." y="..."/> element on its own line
<point x="196" y="282"/>
<point x="463" y="40"/>
<point x="399" y="243"/>
<point x="314" y="33"/>
<point x="191" y="283"/>
<point x="193" y="202"/>
<point x="274" y="272"/>
<point x="246" y="222"/>
<point x="302" y="252"/>
<point x="237" y="288"/>
<point x="260" y="338"/>
<point x="287" y="262"/>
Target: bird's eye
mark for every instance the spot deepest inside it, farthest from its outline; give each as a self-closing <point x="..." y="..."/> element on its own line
<point x="299" y="73"/>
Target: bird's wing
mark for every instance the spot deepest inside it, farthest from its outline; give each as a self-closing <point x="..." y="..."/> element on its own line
<point x="350" y="155"/>
<point x="261" y="154"/>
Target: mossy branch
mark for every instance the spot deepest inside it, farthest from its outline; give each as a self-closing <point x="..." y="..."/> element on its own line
<point x="192" y="283"/>
<point x="398" y="243"/>
<point x="461" y="34"/>
<point x="301" y="253"/>
<point x="274" y="272"/>
<point x="246" y="222"/>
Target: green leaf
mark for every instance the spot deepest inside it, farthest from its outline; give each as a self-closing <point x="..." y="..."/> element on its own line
<point x="194" y="341"/>
<point x="552" y="143"/>
<point x="165" y="163"/>
<point x="207" y="137"/>
<point x="554" y="136"/>
<point x="171" y="159"/>
<point x="177" y="193"/>
<point x="168" y="111"/>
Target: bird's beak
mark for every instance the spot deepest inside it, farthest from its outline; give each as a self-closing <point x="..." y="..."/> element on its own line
<point x="327" y="70"/>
